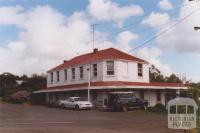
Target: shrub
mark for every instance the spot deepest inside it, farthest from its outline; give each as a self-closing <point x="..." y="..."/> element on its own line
<point x="20" y="96"/>
<point x="158" y="108"/>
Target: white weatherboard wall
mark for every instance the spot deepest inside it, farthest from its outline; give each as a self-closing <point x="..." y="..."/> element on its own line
<point x="128" y="71"/>
<point x="124" y="71"/>
<point x="77" y="79"/>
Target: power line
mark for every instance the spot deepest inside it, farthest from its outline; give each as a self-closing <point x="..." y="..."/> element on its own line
<point x="164" y="31"/>
<point x="125" y="27"/>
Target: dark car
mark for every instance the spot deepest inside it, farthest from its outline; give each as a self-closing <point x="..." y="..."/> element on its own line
<point x="122" y="101"/>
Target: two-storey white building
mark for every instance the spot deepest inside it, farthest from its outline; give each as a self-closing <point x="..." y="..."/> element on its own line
<point x="102" y="72"/>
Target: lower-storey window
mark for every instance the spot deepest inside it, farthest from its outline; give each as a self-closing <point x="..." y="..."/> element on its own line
<point x="158" y="97"/>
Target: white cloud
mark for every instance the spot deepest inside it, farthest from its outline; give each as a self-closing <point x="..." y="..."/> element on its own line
<point x="156" y="20"/>
<point x="152" y="56"/>
<point x="124" y="39"/>
<point x="48" y="37"/>
<point x="165" y="5"/>
<point x="11" y="15"/>
<point x="107" y="10"/>
<point x="183" y="38"/>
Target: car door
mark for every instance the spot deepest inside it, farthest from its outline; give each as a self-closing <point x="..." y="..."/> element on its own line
<point x="71" y="103"/>
<point x="137" y="102"/>
<point x="131" y="102"/>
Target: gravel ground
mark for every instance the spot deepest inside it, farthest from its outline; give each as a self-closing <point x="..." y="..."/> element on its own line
<point x="40" y="119"/>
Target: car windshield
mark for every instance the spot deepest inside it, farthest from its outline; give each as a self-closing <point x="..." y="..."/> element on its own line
<point x="79" y="99"/>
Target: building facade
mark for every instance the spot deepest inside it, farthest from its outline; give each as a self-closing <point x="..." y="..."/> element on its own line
<point x="102" y="72"/>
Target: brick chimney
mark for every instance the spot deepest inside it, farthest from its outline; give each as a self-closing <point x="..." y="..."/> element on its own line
<point x="95" y="50"/>
<point x="65" y="61"/>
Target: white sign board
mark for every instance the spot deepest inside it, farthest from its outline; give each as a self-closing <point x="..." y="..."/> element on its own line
<point x="182" y="113"/>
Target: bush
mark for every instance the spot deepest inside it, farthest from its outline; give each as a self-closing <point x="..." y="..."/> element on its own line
<point x="20" y="97"/>
<point x="158" y="108"/>
<point x="17" y="96"/>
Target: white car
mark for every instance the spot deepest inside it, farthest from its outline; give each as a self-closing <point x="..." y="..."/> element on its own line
<point x="75" y="103"/>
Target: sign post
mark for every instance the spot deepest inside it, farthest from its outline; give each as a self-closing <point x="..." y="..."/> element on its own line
<point x="182" y="114"/>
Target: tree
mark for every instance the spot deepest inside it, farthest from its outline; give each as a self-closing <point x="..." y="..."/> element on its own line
<point x="7" y="82"/>
<point x="173" y="79"/>
<point x="155" y="75"/>
<point x="194" y="91"/>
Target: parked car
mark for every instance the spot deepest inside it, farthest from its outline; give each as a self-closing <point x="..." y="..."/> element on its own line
<point x="123" y="101"/>
<point x="75" y="103"/>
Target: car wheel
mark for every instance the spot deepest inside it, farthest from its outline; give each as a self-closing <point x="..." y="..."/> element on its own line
<point x="124" y="108"/>
<point x="77" y="107"/>
<point x="62" y="106"/>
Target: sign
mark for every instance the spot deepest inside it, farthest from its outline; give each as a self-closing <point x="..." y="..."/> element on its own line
<point x="182" y="113"/>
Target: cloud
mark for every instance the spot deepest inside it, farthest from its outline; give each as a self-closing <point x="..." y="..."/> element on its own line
<point x="152" y="56"/>
<point x="165" y="5"/>
<point x="47" y="37"/>
<point x="107" y="10"/>
<point x="156" y="20"/>
<point x="183" y="38"/>
<point x="11" y="15"/>
<point x="124" y="39"/>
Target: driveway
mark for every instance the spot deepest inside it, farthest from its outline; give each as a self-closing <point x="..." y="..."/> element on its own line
<point x="40" y="119"/>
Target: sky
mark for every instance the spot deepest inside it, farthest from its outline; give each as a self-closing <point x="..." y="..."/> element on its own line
<point x="36" y="35"/>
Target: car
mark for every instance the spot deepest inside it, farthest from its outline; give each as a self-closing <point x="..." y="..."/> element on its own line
<point x="75" y="103"/>
<point x="123" y="101"/>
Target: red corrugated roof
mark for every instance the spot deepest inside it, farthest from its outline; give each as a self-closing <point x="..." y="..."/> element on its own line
<point x="118" y="83"/>
<point x="109" y="53"/>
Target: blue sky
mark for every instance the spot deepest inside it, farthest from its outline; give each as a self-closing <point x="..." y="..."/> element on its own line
<point x="50" y="31"/>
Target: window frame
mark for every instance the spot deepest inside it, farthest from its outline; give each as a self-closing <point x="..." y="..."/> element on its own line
<point x="94" y="67"/>
<point x="110" y="71"/>
<point x="65" y="74"/>
<point x="140" y="70"/>
<point x="81" y="72"/>
<point x="57" y="76"/>
<point x="73" y="73"/>
<point x="51" y="77"/>
<point x="158" y="96"/>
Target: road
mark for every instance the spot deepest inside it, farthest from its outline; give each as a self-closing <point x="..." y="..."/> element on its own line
<point x="40" y="119"/>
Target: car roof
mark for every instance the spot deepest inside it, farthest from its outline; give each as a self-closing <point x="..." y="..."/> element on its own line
<point x="74" y="97"/>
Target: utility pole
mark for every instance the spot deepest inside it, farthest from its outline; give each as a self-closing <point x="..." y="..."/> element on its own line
<point x="93" y="30"/>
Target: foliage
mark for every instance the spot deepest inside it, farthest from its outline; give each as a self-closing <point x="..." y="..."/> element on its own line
<point x="158" y="108"/>
<point x="20" y="96"/>
<point x="156" y="76"/>
<point x="7" y="82"/>
<point x="19" y="89"/>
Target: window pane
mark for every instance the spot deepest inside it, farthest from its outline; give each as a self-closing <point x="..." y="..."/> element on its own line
<point x="190" y="109"/>
<point x="65" y="71"/>
<point x="173" y="109"/>
<point x="110" y="67"/>
<point x="140" y="70"/>
<point x="58" y="76"/>
<point x="94" y="70"/>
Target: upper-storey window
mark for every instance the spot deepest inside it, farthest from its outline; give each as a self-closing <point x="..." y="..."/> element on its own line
<point x="140" y="70"/>
<point x="81" y="71"/>
<point x="73" y="73"/>
<point x="51" y="77"/>
<point x="94" y="66"/>
<point x="110" y="68"/>
<point x="58" y="76"/>
<point x="65" y="71"/>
